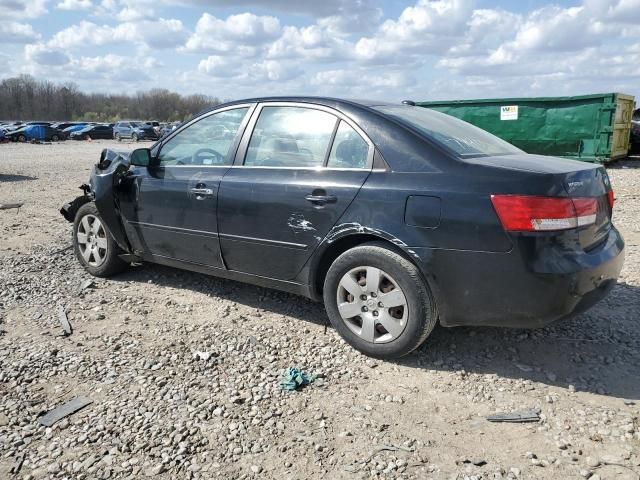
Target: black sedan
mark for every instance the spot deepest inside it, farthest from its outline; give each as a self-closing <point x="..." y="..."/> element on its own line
<point x="93" y="132"/>
<point x="395" y="216"/>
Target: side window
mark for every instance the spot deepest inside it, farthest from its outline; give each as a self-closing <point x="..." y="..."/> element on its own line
<point x="206" y="142"/>
<point x="349" y="149"/>
<point x="290" y="137"/>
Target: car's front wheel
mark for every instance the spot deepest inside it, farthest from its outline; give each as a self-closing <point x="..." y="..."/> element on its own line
<point x="55" y="138"/>
<point x="134" y="137"/>
<point x="378" y="302"/>
<point x="118" y="137"/>
<point x="93" y="244"/>
<point x="22" y="138"/>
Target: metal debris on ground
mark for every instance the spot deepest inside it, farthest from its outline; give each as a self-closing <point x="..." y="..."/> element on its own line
<point x="8" y="206"/>
<point x="64" y="321"/>
<point x="293" y="379"/>
<point x="521" y="416"/>
<point x="64" y="410"/>
<point x="88" y="283"/>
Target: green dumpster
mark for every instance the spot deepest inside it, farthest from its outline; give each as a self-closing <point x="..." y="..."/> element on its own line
<point x="593" y="128"/>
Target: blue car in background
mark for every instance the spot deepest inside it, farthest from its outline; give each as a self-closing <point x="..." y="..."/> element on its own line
<point x="75" y="128"/>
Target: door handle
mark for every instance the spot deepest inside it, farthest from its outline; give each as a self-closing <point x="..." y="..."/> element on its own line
<point x="321" y="199"/>
<point x="201" y="193"/>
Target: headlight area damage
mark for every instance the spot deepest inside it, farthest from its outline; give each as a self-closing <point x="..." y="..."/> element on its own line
<point x="106" y="177"/>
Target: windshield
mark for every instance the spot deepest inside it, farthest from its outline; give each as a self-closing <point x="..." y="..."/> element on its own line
<point x="464" y="139"/>
<point x="137" y="124"/>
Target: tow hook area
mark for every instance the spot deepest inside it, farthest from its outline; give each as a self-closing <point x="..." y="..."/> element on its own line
<point x="69" y="210"/>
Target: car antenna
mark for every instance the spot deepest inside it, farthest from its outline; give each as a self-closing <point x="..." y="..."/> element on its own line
<point x="409" y="102"/>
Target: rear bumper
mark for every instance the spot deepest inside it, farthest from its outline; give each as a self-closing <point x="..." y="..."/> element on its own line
<point x="534" y="284"/>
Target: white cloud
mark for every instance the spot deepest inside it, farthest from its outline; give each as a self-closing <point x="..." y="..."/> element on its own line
<point x="14" y="32"/>
<point x="162" y="33"/>
<point x="219" y="66"/>
<point x="22" y="8"/>
<point x="75" y="5"/>
<point x="133" y="14"/>
<point x="43" y="55"/>
<point x="426" y="28"/>
<point x="242" y="33"/>
<point x="310" y="43"/>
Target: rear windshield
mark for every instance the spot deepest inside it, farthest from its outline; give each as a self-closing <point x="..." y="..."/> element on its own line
<point x="462" y="138"/>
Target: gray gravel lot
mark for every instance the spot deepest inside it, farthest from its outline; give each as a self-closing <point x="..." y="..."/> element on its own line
<point x="161" y="410"/>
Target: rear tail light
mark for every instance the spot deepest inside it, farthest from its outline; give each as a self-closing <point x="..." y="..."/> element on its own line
<point x="611" y="198"/>
<point x="525" y="213"/>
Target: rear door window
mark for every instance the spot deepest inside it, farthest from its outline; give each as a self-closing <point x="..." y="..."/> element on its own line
<point x="290" y="137"/>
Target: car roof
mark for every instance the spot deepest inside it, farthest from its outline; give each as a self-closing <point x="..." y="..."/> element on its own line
<point x="328" y="101"/>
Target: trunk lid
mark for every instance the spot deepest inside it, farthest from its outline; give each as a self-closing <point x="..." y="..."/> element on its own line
<point x="566" y="177"/>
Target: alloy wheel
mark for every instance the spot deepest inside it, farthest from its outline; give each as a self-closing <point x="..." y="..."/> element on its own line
<point x="92" y="240"/>
<point x="372" y="304"/>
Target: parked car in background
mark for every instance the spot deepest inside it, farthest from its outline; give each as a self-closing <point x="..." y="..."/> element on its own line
<point x="93" y="132"/>
<point x="64" y="125"/>
<point x="134" y="130"/>
<point x="396" y="216"/>
<point x="10" y="126"/>
<point x="167" y="128"/>
<point x="75" y="128"/>
<point x="36" y="132"/>
<point x="155" y="125"/>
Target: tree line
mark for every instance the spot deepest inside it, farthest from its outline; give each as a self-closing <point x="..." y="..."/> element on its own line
<point x="26" y="98"/>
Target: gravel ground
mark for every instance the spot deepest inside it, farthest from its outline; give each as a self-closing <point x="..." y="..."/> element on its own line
<point x="161" y="409"/>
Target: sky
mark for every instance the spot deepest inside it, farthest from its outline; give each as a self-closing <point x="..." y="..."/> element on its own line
<point x="382" y="49"/>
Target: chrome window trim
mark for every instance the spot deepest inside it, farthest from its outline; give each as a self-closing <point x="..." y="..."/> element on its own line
<point x="244" y="143"/>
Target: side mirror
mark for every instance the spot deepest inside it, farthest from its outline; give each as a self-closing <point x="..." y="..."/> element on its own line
<point x="140" y="157"/>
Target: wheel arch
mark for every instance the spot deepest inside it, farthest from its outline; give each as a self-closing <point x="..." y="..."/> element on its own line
<point x="335" y="247"/>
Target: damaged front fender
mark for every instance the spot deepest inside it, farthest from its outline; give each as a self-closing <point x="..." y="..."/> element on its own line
<point x="70" y="209"/>
<point x="106" y="177"/>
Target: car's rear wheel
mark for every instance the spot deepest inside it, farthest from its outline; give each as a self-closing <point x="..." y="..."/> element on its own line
<point x="22" y="138"/>
<point x="378" y="301"/>
<point x="55" y="138"/>
<point x="93" y="244"/>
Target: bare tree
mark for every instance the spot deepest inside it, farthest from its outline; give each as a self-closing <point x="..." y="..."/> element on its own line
<point x="25" y="98"/>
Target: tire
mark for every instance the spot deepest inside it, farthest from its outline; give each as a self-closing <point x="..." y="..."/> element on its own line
<point x="412" y="321"/>
<point x="22" y="138"/>
<point x="55" y="138"/>
<point x="134" y="137"/>
<point x="118" y="137"/>
<point x="103" y="261"/>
